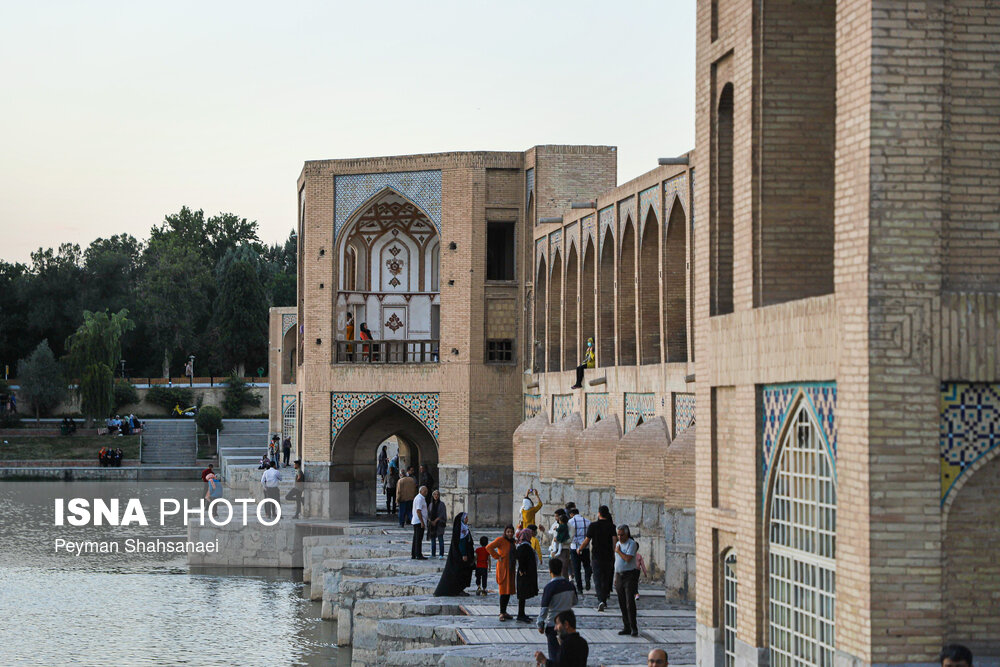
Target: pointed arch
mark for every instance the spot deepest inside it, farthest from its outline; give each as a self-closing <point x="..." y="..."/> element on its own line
<point x="541" y="293"/>
<point x="626" y="297"/>
<point x="675" y="283"/>
<point x="721" y="223"/>
<point x="588" y="292"/>
<point x="606" y="302"/>
<point x="571" y="311"/>
<point x="554" y="330"/>
<point x="649" y="291"/>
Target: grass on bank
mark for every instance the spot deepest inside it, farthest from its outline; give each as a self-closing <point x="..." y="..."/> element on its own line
<point x="57" y="448"/>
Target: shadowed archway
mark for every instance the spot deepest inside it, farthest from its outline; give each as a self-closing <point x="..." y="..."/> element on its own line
<point x="355" y="449"/>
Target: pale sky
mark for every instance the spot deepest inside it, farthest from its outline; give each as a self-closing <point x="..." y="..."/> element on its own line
<point x="113" y="114"/>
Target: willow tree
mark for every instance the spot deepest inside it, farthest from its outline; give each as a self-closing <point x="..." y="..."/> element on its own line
<point x="93" y="352"/>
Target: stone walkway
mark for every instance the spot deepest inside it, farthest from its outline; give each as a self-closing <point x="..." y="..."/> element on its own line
<point x="384" y="607"/>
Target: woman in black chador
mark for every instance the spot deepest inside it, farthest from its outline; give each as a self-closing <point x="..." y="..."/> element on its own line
<point x="457" y="575"/>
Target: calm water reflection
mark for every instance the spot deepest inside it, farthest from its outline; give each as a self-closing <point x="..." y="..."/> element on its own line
<point x="124" y="609"/>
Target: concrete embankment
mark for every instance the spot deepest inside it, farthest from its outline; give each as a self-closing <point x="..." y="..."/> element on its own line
<point x="80" y="473"/>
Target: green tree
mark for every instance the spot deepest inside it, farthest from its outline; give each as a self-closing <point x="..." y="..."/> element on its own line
<point x="237" y="395"/>
<point x="52" y="295"/>
<point x="125" y="393"/>
<point x="14" y="343"/>
<point x="209" y="419"/>
<point x="43" y="386"/>
<point x="94" y="351"/>
<point x="240" y="318"/>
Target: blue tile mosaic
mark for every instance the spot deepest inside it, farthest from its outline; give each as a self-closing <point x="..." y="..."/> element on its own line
<point x="970" y="428"/>
<point x="346" y="405"/>
<point x="352" y="191"/>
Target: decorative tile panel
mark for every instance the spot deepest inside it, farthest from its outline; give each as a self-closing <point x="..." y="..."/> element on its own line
<point x="589" y="230"/>
<point x="691" y="201"/>
<point x="638" y="407"/>
<point x="821" y="398"/>
<point x="573" y="237"/>
<point x="598" y="407"/>
<point x="562" y="406"/>
<point x="626" y="210"/>
<point x="970" y="428"/>
<point x="532" y="406"/>
<point x="649" y="200"/>
<point x="541" y="251"/>
<point x="606" y="218"/>
<point x="529" y="187"/>
<point x="287" y="322"/>
<point x="555" y="242"/>
<point x="352" y="191"/>
<point x="675" y="187"/>
<point x="344" y="406"/>
<point x="683" y="412"/>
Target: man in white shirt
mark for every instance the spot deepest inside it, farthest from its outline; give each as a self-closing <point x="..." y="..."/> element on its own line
<point x="578" y="525"/>
<point x="270" y="480"/>
<point x="627" y="579"/>
<point x="419" y="523"/>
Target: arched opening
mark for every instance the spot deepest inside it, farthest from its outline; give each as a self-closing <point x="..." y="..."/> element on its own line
<point x="588" y="291"/>
<point x="606" y="302"/>
<point x="571" y="309"/>
<point x="649" y="292"/>
<point x="675" y="284"/>
<point x="626" y="297"/>
<point x="288" y="357"/>
<point x="721" y="255"/>
<point x="802" y="527"/>
<point x="355" y="450"/>
<point x="555" y="308"/>
<point x="971" y="573"/>
<point x="729" y="606"/>
<point x="539" y="316"/>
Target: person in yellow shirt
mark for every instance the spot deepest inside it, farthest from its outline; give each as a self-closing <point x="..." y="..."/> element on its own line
<point x="535" y="544"/>
<point x="528" y="511"/>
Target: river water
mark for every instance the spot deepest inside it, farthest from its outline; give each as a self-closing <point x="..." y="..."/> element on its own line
<point x="58" y="608"/>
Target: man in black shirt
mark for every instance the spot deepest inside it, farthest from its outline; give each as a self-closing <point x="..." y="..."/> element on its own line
<point x="602" y="535"/>
<point x="573" y="649"/>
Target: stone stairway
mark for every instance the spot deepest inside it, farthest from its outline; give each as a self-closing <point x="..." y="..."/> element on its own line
<point x="169" y="442"/>
<point x="242" y="442"/>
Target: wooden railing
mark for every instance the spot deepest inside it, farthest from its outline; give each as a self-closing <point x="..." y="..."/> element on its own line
<point x="387" y="351"/>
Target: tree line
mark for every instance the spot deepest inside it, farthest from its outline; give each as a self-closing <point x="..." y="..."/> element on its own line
<point x="199" y="286"/>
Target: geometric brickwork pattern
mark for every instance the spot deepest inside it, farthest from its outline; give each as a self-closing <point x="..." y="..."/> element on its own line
<point x="597" y="407"/>
<point x="649" y="200"/>
<point x="345" y="405"/>
<point x="562" y="406"/>
<point x="676" y="187"/>
<point x="683" y="412"/>
<point x="606" y="219"/>
<point x="820" y="397"/>
<point x="626" y="212"/>
<point x="423" y="188"/>
<point x="555" y="242"/>
<point x="639" y="408"/>
<point x="287" y="417"/>
<point x="529" y="187"/>
<point x="287" y="322"/>
<point x="541" y="250"/>
<point x="589" y="230"/>
<point x="532" y="406"/>
<point x="970" y="427"/>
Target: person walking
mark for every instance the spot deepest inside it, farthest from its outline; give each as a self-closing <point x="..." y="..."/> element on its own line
<point x="580" y="557"/>
<point x="297" y="492"/>
<point x="502" y="551"/>
<point x="558" y="596"/>
<point x="627" y="579"/>
<point x="527" y="572"/>
<point x="589" y="361"/>
<point x="270" y="480"/>
<point x="419" y="522"/>
<point x="406" y="491"/>
<point x="286" y="449"/>
<point x="457" y="573"/>
<point x="437" y="524"/>
<point x="383" y="465"/>
<point x="573" y="649"/>
<point x="601" y="534"/>
<point x="391" y="480"/>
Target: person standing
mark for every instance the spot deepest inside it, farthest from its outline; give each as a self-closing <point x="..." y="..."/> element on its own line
<point x="270" y="480"/>
<point x="502" y="551"/>
<point x="406" y="491"/>
<point x="561" y="540"/>
<point x="437" y="524"/>
<point x="383" y="465"/>
<point x="482" y="566"/>
<point x="601" y="534"/>
<point x="627" y="579"/>
<point x="529" y="509"/>
<point x="298" y="490"/>
<point x="391" y="480"/>
<point x="588" y="362"/>
<point x="286" y="449"/>
<point x="578" y="526"/>
<point x="457" y="573"/>
<point x="419" y="522"/>
<point x="573" y="649"/>
<point x="558" y="596"/>
<point x="527" y="572"/>
<point x="426" y="479"/>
